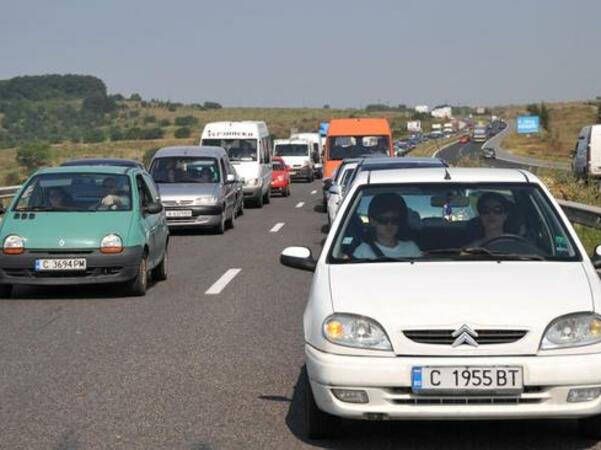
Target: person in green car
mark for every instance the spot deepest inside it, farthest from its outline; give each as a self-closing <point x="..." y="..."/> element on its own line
<point x="112" y="197"/>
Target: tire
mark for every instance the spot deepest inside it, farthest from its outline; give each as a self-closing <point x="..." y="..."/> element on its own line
<point x="160" y="272"/>
<point x="259" y="202"/>
<point x="220" y="229"/>
<point x="318" y="424"/>
<point x="241" y="208"/>
<point x="267" y="198"/>
<point x="137" y="287"/>
<point x="590" y="427"/>
<point x="286" y="192"/>
<point x="6" y="290"/>
<point x="231" y="223"/>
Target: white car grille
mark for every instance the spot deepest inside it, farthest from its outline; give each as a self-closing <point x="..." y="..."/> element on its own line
<point x="530" y="395"/>
<point x="177" y="202"/>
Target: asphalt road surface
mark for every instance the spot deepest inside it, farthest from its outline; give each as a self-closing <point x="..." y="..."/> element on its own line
<point x="181" y="369"/>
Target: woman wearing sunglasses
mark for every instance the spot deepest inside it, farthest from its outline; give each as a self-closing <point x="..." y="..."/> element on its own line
<point x="493" y="210"/>
<point x="387" y="214"/>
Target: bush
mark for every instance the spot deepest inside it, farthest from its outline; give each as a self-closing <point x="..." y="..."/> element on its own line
<point x="33" y="155"/>
<point x="152" y="133"/>
<point x="133" y="133"/>
<point x="150" y="119"/>
<point x="182" y="133"/>
<point x="164" y="123"/>
<point x="93" y="135"/>
<point x="185" y="121"/>
<point x="148" y="154"/>
<point x="212" y="105"/>
<point x="116" y="134"/>
<point x="98" y="104"/>
<point x="135" y="97"/>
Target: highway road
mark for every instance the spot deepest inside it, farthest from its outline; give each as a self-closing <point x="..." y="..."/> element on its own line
<point x="185" y="369"/>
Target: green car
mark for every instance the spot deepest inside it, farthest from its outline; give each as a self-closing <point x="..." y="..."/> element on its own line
<point x="84" y="225"/>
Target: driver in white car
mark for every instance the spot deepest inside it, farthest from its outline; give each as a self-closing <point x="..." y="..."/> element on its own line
<point x="493" y="210"/>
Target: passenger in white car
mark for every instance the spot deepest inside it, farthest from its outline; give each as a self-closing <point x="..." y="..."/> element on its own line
<point x="387" y="214"/>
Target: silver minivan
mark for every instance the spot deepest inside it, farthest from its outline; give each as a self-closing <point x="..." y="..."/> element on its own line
<point x="586" y="156"/>
<point x="199" y="187"/>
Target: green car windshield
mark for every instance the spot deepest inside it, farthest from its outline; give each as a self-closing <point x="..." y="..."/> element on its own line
<point x="67" y="192"/>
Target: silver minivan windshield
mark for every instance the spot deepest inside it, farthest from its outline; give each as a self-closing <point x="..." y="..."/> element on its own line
<point x="292" y="150"/>
<point x="185" y="169"/>
<point x="489" y="221"/>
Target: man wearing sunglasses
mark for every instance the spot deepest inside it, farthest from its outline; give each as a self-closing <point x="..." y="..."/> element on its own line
<point x="387" y="214"/>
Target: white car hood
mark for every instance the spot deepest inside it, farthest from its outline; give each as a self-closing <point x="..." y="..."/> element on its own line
<point x="516" y="295"/>
<point x="247" y="169"/>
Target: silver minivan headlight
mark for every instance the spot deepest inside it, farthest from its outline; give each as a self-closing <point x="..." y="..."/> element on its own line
<point x="573" y="330"/>
<point x="355" y="331"/>
<point x="206" y="200"/>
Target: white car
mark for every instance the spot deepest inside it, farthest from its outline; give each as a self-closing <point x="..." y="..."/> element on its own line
<point x="336" y="190"/>
<point x="486" y="309"/>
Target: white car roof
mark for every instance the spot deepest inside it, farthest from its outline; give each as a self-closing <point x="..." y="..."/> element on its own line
<point x="291" y="141"/>
<point x="446" y="175"/>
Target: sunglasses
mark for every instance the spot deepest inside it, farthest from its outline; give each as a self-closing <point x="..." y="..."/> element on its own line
<point x="388" y="220"/>
<point x="496" y="210"/>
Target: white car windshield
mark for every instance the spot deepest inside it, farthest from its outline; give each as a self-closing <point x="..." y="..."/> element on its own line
<point x="291" y="150"/>
<point x="455" y="221"/>
<point x="237" y="149"/>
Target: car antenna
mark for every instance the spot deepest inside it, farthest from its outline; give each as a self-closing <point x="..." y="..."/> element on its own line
<point x="447" y="175"/>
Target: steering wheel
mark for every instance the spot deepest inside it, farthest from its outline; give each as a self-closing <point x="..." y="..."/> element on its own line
<point x="505" y="237"/>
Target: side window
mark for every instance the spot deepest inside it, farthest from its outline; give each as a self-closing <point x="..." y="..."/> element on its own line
<point x="143" y="192"/>
<point x="223" y="169"/>
<point x="154" y="192"/>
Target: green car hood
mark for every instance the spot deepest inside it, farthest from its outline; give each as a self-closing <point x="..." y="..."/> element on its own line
<point x="74" y="230"/>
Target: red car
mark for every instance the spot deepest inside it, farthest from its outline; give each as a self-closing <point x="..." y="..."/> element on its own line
<point x="464" y="139"/>
<point x="280" y="176"/>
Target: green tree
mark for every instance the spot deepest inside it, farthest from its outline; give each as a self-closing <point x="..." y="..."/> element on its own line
<point x="93" y="135"/>
<point x="212" y="105"/>
<point x="544" y="116"/>
<point x="182" y="133"/>
<point x="164" y="122"/>
<point x="33" y="155"/>
<point x="135" y="97"/>
<point x="184" y="121"/>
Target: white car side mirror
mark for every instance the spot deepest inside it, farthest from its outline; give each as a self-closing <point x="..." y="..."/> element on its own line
<point x="298" y="258"/>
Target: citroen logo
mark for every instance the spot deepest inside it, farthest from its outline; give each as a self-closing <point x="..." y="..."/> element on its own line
<point x="465" y="335"/>
<point x="61" y="243"/>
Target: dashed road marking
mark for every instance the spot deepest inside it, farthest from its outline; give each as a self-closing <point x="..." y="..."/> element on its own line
<point x="300" y="204"/>
<point x="222" y="282"/>
<point x="313" y="192"/>
<point x="277" y="227"/>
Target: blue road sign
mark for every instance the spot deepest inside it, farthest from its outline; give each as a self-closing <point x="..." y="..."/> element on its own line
<point x="528" y="124"/>
<point x="323" y="128"/>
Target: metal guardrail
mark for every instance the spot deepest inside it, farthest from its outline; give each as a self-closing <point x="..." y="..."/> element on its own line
<point x="579" y="213"/>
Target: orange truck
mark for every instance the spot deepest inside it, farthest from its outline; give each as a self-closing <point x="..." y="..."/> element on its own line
<point x="353" y="138"/>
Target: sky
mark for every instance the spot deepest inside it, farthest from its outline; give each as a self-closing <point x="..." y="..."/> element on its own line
<point x="308" y="53"/>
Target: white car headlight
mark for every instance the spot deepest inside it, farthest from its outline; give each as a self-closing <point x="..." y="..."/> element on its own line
<point x="207" y="200"/>
<point x="355" y="331"/>
<point x="253" y="182"/>
<point x="573" y="330"/>
<point x="13" y="245"/>
<point x="111" y="243"/>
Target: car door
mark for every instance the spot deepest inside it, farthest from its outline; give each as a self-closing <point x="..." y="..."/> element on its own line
<point x="162" y="229"/>
<point x="229" y="197"/>
<point x="265" y="161"/>
<point x="150" y="222"/>
<point x="580" y="163"/>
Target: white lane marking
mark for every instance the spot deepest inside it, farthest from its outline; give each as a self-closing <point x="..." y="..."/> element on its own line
<point x="313" y="192"/>
<point x="300" y="204"/>
<point x="277" y="227"/>
<point x="222" y="282"/>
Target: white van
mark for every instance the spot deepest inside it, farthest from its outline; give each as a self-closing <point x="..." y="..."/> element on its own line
<point x="316" y="141"/>
<point x="297" y="154"/>
<point x="586" y="156"/>
<point x="248" y="146"/>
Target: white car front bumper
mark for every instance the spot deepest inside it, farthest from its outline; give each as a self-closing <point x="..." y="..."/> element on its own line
<point x="387" y="382"/>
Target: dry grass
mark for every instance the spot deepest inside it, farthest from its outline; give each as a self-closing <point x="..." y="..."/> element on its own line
<point x="566" y="120"/>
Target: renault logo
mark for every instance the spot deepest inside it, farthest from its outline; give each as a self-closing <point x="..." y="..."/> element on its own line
<point x="465" y="335"/>
<point x="61" y="243"/>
